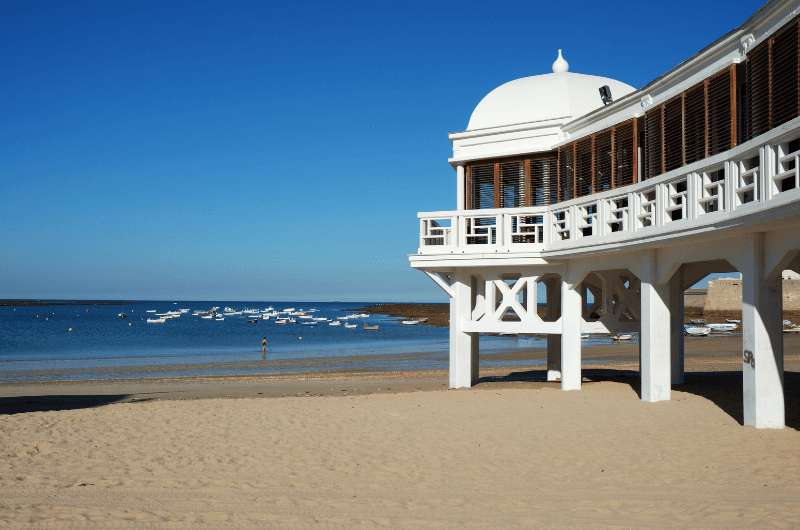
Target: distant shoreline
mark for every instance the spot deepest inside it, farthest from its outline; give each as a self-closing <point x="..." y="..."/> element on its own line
<point x="43" y="302"/>
<point x="437" y="314"/>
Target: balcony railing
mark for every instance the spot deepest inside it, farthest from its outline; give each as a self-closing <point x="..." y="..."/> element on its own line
<point x="742" y="180"/>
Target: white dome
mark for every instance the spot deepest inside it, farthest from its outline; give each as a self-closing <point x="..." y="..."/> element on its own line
<point x="543" y="97"/>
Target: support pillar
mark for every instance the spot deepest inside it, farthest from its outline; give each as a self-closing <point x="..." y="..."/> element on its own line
<point x="461" y="194"/>
<point x="676" y="340"/>
<point x="762" y="341"/>
<point x="654" y="339"/>
<point x="463" y="346"/>
<point x="553" y="341"/>
<point x="570" y="332"/>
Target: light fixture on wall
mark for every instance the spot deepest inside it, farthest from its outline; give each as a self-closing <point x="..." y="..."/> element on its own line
<point x="605" y="95"/>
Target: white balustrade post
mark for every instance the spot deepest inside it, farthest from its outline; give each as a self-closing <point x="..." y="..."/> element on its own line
<point x="421" y="235"/>
<point x="654" y="339"/>
<point x="463" y="345"/>
<point x="499" y="232"/>
<point x="762" y="341"/>
<point x="454" y="231"/>
<point x="694" y="181"/>
<point x="570" y="331"/>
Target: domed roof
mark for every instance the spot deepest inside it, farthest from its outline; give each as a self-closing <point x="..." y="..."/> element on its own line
<point x="559" y="95"/>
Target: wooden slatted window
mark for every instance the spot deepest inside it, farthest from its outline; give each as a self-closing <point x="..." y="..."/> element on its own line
<point x="673" y="133"/>
<point x="482" y="186"/>
<point x="603" y="161"/>
<point x="623" y="154"/>
<point x="583" y="167"/>
<point x="784" y="74"/>
<point x="543" y="181"/>
<point x="653" y="150"/>
<point x="694" y="123"/>
<point x="719" y="113"/>
<point x="566" y="172"/>
<point x="757" y="70"/>
<point x="512" y="184"/>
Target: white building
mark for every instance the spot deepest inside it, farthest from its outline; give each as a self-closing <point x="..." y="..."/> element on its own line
<point x="573" y="216"/>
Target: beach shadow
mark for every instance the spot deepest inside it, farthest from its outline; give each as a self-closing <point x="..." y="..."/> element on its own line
<point x="22" y="404"/>
<point x="724" y="388"/>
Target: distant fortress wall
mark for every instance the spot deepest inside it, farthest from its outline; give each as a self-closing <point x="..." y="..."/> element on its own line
<point x="724" y="297"/>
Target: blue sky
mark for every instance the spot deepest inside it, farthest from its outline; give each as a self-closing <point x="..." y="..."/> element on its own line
<point x="233" y="150"/>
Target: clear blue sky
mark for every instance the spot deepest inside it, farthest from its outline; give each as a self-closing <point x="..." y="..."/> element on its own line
<point x="230" y="150"/>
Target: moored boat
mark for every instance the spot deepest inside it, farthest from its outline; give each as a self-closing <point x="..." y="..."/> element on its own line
<point x="697" y="331"/>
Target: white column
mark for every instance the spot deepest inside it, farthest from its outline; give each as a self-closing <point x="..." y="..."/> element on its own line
<point x="463" y="346"/>
<point x="676" y="313"/>
<point x="461" y="197"/>
<point x="570" y="332"/>
<point x="654" y="339"/>
<point x="553" y="341"/>
<point x="762" y="342"/>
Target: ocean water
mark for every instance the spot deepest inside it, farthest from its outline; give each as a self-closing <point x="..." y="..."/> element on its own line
<point x="36" y="344"/>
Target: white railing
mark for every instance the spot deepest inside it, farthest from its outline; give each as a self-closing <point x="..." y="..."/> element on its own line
<point x="750" y="176"/>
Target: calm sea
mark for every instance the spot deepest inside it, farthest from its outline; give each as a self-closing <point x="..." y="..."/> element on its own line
<point x="36" y="343"/>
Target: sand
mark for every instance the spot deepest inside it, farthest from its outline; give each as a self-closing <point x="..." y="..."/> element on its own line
<point x="399" y="451"/>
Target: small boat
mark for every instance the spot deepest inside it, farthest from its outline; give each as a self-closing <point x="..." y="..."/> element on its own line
<point x="722" y="327"/>
<point x="351" y="326"/>
<point x="122" y="315"/>
<point x="281" y="321"/>
<point x="788" y="324"/>
<point x="697" y="331"/>
<point x="374" y="327"/>
<point x="335" y="323"/>
<point x="151" y="310"/>
<point x="219" y="319"/>
<point x="156" y="320"/>
<point x="409" y="322"/>
<point x="585" y="336"/>
<point x="698" y="321"/>
<point x="309" y="323"/>
<point x="733" y="321"/>
<point x="795" y="329"/>
<point x="622" y="337"/>
<point x="207" y="317"/>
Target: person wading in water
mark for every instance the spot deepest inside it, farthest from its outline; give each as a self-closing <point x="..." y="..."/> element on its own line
<point x="264" y="348"/>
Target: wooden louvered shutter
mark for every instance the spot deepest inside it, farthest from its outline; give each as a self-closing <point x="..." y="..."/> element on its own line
<point x="623" y="154"/>
<point x="512" y="184"/>
<point x="583" y="167"/>
<point x="653" y="151"/>
<point x="757" y="70"/>
<point x="543" y="181"/>
<point x="603" y="161"/>
<point x="694" y="123"/>
<point x="482" y="191"/>
<point x="784" y="74"/>
<point x="673" y="133"/>
<point x="719" y="113"/>
<point x="566" y="157"/>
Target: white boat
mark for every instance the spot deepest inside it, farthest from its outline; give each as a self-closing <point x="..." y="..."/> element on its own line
<point x="697" y="331"/>
<point x="722" y="327"/>
<point x="151" y="310"/>
<point x="207" y="317"/>
<point x="281" y="321"/>
<point x="409" y="322"/>
<point x="584" y="336"/>
<point x="335" y="323"/>
<point x="621" y="337"/>
<point x="219" y="319"/>
<point x="698" y="321"/>
<point x="788" y="324"/>
<point x="351" y="326"/>
<point x="156" y="320"/>
<point x="309" y="323"/>
<point x="733" y="321"/>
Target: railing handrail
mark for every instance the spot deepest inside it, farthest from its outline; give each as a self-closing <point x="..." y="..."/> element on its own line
<point x="653" y="203"/>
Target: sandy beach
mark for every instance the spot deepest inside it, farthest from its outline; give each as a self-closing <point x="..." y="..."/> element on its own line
<point x="351" y="450"/>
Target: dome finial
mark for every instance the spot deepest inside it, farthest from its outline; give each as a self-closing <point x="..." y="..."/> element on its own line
<point x="560" y="64"/>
